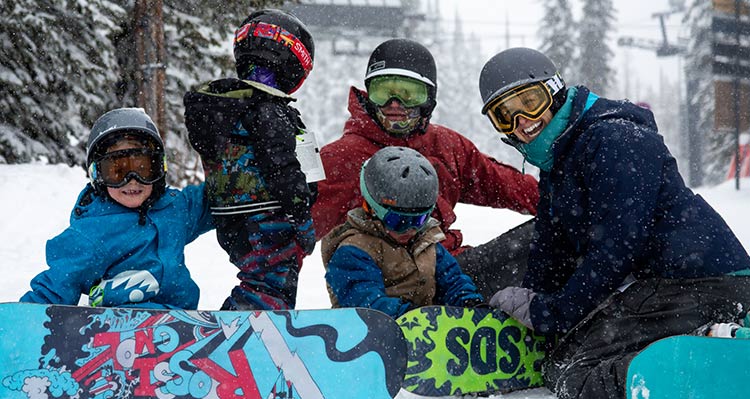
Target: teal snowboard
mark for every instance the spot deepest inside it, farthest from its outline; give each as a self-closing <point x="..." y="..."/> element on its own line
<point x="81" y="352"/>
<point x="687" y="366"/>
<point x="456" y="351"/>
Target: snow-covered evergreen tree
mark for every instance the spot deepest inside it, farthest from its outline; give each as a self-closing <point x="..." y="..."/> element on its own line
<point x="64" y="63"/>
<point x="595" y="30"/>
<point x="711" y="150"/>
<point x="557" y="37"/>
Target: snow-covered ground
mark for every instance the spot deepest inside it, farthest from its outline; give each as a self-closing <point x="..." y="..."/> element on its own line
<point x="35" y="204"/>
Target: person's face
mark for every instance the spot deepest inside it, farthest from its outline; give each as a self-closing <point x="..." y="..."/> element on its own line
<point x="133" y="194"/>
<point x="528" y="130"/>
<point x="403" y="238"/>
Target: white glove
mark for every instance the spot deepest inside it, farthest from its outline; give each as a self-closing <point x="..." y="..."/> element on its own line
<point x="515" y="301"/>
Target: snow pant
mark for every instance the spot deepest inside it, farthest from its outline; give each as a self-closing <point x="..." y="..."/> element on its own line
<point x="592" y="360"/>
<point x="500" y="262"/>
<point x="263" y="247"/>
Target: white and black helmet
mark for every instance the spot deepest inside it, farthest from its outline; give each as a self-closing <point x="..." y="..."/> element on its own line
<point x="404" y="57"/>
<point x="399" y="178"/>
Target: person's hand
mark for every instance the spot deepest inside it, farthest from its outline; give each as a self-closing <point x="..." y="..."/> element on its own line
<point x="515" y="301"/>
<point x="305" y="236"/>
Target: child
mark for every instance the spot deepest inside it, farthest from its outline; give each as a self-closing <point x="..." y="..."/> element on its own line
<point x="387" y="254"/>
<point x="125" y="243"/>
<point x="245" y="132"/>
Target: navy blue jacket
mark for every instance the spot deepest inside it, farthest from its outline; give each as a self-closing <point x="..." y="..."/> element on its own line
<point x="614" y="205"/>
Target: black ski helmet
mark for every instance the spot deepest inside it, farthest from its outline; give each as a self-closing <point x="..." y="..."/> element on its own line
<point x="399" y="178"/>
<point x="515" y="67"/>
<point x="113" y="125"/>
<point x="408" y="58"/>
<point x="258" y="41"/>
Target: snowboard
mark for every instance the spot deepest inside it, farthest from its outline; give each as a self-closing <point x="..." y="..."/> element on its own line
<point x="83" y="352"/>
<point x="455" y="351"/>
<point x="687" y="366"/>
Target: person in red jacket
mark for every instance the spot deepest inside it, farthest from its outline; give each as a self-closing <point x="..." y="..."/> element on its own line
<point x="395" y="111"/>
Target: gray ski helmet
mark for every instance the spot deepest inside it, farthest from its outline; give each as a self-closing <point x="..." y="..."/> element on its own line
<point x="515" y="67"/>
<point x="116" y="122"/>
<point x="399" y="178"/>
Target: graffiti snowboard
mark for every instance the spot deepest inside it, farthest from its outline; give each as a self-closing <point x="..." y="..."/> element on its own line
<point x="80" y="352"/>
<point x="455" y="351"/>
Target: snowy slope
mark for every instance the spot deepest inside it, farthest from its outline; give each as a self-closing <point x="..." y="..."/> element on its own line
<point x="36" y="200"/>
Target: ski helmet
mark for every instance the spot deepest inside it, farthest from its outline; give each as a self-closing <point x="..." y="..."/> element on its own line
<point x="276" y="40"/>
<point x="404" y="57"/>
<point x="110" y="127"/>
<point x="518" y="66"/>
<point x="399" y="178"/>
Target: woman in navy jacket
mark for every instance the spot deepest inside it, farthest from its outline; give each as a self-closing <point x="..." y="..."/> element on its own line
<point x="625" y="253"/>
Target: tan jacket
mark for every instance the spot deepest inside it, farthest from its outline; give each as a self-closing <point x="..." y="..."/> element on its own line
<point x="408" y="271"/>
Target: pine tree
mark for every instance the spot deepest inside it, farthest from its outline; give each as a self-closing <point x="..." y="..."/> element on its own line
<point x="595" y="27"/>
<point x="709" y="151"/>
<point x="557" y="36"/>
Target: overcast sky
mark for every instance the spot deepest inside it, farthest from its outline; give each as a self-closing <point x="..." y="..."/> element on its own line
<point x="634" y="18"/>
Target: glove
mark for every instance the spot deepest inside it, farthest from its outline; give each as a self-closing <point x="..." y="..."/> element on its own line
<point x="305" y="236"/>
<point x="515" y="301"/>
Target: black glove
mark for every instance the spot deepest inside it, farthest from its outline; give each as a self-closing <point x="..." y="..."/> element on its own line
<point x="305" y="236"/>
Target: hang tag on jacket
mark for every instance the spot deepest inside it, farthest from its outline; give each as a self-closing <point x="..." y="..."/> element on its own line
<point x="308" y="155"/>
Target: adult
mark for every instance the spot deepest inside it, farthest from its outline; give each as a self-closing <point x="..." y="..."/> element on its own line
<point x="624" y="253"/>
<point x="401" y="83"/>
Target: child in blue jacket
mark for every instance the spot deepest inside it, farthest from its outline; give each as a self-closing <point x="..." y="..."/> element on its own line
<point x="387" y="255"/>
<point x="125" y="243"/>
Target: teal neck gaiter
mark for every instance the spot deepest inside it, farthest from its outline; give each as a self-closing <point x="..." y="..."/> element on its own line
<point x="539" y="152"/>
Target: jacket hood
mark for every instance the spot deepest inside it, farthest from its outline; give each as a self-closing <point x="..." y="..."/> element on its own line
<point x="602" y="111"/>
<point x="89" y="203"/>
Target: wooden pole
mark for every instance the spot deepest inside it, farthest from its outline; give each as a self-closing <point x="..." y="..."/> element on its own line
<point x="150" y="60"/>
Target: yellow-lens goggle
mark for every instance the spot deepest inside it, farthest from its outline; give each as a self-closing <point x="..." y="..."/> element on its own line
<point x="410" y="92"/>
<point x="531" y="101"/>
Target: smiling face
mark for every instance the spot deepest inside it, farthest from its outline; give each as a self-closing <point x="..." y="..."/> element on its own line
<point x="133" y="194"/>
<point x="528" y="130"/>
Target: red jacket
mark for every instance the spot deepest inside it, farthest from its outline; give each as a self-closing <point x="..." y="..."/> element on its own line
<point x="465" y="174"/>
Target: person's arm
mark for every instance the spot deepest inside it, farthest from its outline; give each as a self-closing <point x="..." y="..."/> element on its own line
<point x="623" y="181"/>
<point x="453" y="286"/>
<point x="74" y="265"/>
<point x="198" y="215"/>
<point x="339" y="192"/>
<point x="275" y="126"/>
<point x="487" y="182"/>
<point x="356" y="281"/>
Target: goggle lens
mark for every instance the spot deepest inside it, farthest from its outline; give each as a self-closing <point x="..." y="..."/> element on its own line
<point x="530" y="101"/>
<point x="401" y="222"/>
<point x="116" y="168"/>
<point x="410" y="92"/>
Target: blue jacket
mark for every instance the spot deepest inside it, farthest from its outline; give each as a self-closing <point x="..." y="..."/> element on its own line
<point x="614" y="205"/>
<point x="106" y="254"/>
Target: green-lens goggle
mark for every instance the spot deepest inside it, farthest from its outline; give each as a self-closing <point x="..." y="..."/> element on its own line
<point x="410" y="92"/>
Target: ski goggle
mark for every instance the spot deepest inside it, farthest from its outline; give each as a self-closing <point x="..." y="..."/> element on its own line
<point x="530" y="101"/>
<point x="116" y="168"/>
<point x="280" y="35"/>
<point x="398" y="221"/>
<point x="410" y="92"/>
